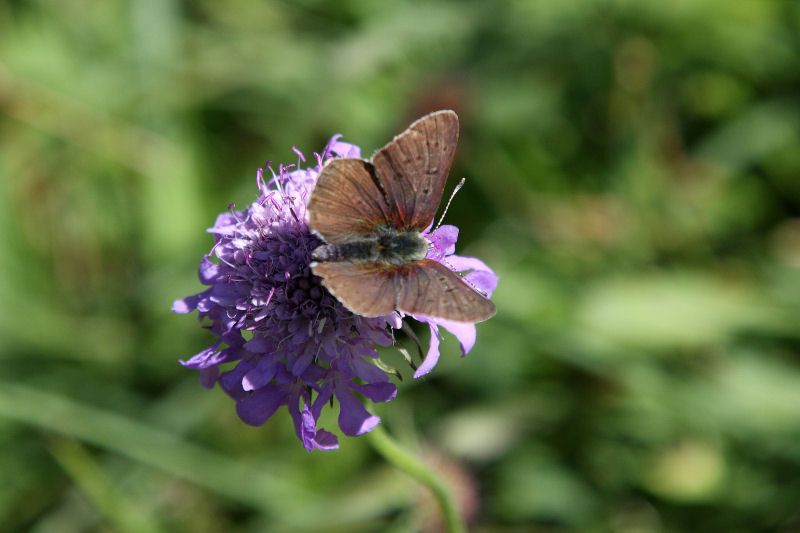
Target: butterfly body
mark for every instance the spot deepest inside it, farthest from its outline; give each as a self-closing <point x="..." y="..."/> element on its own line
<point x="388" y="247"/>
<point x="371" y="215"/>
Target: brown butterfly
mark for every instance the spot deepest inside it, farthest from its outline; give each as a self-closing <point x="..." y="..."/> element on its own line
<point x="371" y="213"/>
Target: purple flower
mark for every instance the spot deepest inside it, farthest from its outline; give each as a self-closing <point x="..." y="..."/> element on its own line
<point x="292" y="342"/>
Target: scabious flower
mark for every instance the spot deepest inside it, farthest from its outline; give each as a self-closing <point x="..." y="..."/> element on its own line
<point x="292" y="342"/>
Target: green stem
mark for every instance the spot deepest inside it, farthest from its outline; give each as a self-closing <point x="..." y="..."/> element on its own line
<point x="413" y="466"/>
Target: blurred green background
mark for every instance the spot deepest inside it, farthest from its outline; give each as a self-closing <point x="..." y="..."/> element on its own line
<point x="633" y="177"/>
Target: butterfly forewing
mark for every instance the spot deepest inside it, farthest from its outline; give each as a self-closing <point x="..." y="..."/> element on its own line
<point x="347" y="201"/>
<point x="431" y="289"/>
<point x="363" y="288"/>
<point x="413" y="168"/>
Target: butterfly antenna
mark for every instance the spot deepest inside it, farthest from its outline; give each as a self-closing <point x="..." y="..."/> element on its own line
<point x="458" y="187"/>
<point x="463" y="275"/>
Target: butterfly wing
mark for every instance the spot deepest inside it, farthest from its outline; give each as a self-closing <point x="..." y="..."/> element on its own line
<point x="347" y="201"/>
<point x="431" y="289"/>
<point x="413" y="168"/>
<point x="363" y="288"/>
<point x="402" y="187"/>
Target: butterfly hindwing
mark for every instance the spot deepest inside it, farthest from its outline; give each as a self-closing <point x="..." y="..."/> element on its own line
<point x="363" y="288"/>
<point x="431" y="289"/>
<point x="413" y="168"/>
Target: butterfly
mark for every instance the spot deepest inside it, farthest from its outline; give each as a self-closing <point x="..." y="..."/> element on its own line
<point x="371" y="214"/>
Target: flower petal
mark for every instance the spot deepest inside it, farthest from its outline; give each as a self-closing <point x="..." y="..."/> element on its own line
<point x="443" y="240"/>
<point x="208" y="377"/>
<point x="354" y="419"/>
<point x="256" y="408"/>
<point x="483" y="280"/>
<point x="231" y="381"/>
<point x="264" y="371"/>
<point x="378" y="392"/>
<point x="225" y="224"/>
<point x="310" y="436"/>
<point x="465" y="332"/>
<point x="208" y="271"/>
<point x="343" y="149"/>
<point x="325" y="440"/>
<point x="259" y="345"/>
<point x="207" y="358"/>
<point x="460" y="263"/>
<point x="432" y="357"/>
<point x="186" y="305"/>
<point x="367" y="371"/>
<point x="307" y="428"/>
<point x="481" y="276"/>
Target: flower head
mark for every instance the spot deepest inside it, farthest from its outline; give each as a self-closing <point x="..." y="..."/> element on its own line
<point x="292" y="342"/>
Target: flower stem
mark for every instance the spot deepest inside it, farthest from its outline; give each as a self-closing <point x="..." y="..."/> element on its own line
<point x="404" y="460"/>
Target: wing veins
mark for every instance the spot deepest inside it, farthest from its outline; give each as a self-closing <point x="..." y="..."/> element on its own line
<point x="373" y="173"/>
<point x="407" y="183"/>
<point x="365" y="194"/>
